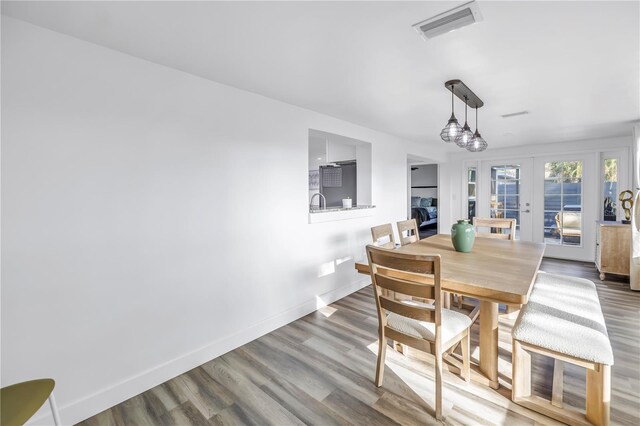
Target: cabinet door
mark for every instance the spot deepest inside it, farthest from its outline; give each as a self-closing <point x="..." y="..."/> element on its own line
<point x="615" y="248"/>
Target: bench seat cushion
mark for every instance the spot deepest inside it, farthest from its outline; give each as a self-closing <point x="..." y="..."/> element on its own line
<point x="564" y="315"/>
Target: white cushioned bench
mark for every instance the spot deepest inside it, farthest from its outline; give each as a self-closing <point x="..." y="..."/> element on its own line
<point x="563" y="320"/>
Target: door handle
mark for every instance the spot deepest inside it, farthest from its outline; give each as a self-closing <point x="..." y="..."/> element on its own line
<point x="525" y="211"/>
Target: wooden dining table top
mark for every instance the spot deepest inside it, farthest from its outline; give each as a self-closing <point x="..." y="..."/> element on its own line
<point x="496" y="270"/>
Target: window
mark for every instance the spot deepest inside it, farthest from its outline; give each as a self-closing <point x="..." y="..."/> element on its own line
<point x="610" y="196"/>
<point x="505" y="193"/>
<point x="563" y="203"/>
<point x="471" y="192"/>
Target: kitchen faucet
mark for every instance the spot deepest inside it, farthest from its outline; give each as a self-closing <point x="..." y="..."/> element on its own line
<point x="311" y="201"/>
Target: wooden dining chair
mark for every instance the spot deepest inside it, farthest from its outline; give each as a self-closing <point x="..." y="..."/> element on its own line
<point x="383" y="232"/>
<point x="412" y="323"/>
<point x="408" y="231"/>
<point x="500" y="225"/>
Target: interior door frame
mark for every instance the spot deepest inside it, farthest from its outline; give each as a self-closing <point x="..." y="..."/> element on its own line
<point x="483" y="191"/>
<point x="590" y="200"/>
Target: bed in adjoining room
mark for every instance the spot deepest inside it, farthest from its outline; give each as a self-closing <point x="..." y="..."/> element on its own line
<point x="424" y="210"/>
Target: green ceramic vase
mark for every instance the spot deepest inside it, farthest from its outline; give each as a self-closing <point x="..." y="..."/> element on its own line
<point x="462" y="236"/>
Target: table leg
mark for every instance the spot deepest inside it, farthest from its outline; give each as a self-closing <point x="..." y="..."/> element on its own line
<point x="489" y="342"/>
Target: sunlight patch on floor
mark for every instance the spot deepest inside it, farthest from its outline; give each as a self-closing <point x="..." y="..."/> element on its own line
<point x="461" y="400"/>
<point x="324" y="308"/>
<point x="327" y="311"/>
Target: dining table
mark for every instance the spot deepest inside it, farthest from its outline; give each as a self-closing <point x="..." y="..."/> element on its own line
<point x="495" y="272"/>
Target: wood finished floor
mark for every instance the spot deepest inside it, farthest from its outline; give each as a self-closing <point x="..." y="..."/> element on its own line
<point x="319" y="370"/>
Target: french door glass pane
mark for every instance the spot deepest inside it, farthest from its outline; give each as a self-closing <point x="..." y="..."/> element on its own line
<point x="505" y="193"/>
<point x="563" y="203"/>
<point x="552" y="202"/>
<point x="610" y="189"/>
<point x="471" y="192"/>
<point x="552" y="186"/>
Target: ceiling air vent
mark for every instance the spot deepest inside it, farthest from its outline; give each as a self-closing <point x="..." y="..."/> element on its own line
<point x="514" y="114"/>
<point x="451" y="20"/>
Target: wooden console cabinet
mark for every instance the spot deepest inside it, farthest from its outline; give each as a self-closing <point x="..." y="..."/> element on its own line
<point x="613" y="245"/>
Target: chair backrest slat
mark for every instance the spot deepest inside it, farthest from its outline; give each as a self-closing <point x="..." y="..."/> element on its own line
<point x="498" y="224"/>
<point x="405" y="309"/>
<point x="383" y="231"/>
<point x="414" y="289"/>
<point x="403" y="262"/>
<point x="410" y="227"/>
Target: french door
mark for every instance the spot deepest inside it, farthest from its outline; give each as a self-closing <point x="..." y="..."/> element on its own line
<point x="554" y="199"/>
<point x="505" y="192"/>
<point x="565" y="205"/>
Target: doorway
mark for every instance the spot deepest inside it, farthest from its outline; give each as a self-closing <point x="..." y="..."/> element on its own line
<point x="423" y="197"/>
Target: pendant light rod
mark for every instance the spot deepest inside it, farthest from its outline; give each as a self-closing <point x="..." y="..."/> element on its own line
<point x="452" y="99"/>
<point x="465" y="109"/>
<point x="465" y="94"/>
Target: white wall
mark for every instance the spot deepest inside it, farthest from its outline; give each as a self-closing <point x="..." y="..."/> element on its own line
<point x="135" y="245"/>
<point x="425" y="175"/>
<point x="363" y="159"/>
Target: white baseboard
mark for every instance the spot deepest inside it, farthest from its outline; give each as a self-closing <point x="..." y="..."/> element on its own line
<point x="101" y="400"/>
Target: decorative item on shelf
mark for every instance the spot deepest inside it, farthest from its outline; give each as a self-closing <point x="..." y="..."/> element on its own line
<point x="453" y="128"/>
<point x="626" y="204"/>
<point x="463" y="235"/>
<point x="477" y="143"/>
<point x="453" y="132"/>
<point x="346" y="203"/>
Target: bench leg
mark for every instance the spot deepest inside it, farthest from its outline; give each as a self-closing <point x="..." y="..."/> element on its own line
<point x="521" y="372"/>
<point x="599" y="394"/>
<point x="558" y="383"/>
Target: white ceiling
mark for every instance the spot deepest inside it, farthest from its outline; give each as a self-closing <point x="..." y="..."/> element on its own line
<point x="574" y="65"/>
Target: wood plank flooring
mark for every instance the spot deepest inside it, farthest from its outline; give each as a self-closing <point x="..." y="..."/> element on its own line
<point x="319" y="370"/>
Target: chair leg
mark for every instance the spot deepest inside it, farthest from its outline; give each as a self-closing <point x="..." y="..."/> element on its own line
<point x="382" y="353"/>
<point x="460" y="300"/>
<point x="54" y="410"/>
<point x="438" y="384"/>
<point x="599" y="395"/>
<point x="521" y="372"/>
<point x="466" y="357"/>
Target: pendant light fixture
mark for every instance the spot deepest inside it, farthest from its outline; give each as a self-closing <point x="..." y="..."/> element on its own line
<point x="453" y="129"/>
<point x="463" y="138"/>
<point x="477" y="143"/>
